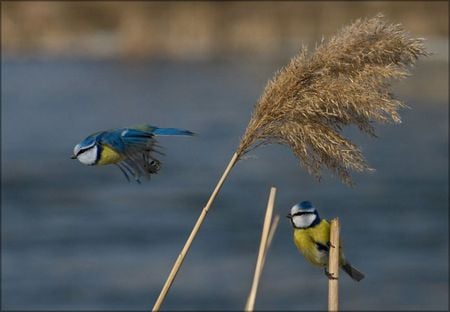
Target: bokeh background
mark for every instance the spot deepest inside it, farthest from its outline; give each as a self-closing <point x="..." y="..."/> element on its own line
<point x="77" y="237"/>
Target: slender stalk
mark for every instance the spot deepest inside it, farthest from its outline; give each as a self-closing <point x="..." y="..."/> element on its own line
<point x="262" y="250"/>
<point x="333" y="266"/>
<point x="273" y="228"/>
<point x="187" y="245"/>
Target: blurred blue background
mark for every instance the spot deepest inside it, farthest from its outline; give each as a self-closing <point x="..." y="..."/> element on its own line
<point x="77" y="237"/>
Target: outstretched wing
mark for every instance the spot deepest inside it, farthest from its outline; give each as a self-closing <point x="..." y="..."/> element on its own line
<point x="137" y="148"/>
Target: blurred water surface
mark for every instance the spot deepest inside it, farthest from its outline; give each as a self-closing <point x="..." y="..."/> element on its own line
<point x="78" y="237"/>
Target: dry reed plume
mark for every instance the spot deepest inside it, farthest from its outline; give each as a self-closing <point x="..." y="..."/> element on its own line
<point x="345" y="81"/>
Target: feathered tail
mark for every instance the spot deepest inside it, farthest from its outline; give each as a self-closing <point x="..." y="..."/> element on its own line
<point x="352" y="272"/>
<point x="171" y="131"/>
<point x="161" y="131"/>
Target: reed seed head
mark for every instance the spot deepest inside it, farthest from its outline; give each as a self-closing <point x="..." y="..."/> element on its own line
<point x="345" y="81"/>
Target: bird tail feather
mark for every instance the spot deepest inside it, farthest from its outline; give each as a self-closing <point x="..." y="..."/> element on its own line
<point x="352" y="272"/>
<point x="171" y="131"/>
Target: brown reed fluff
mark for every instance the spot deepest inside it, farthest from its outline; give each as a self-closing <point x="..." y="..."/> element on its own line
<point x="345" y="81"/>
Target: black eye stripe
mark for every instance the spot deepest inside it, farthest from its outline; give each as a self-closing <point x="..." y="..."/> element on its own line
<point x="302" y="213"/>
<point x="81" y="151"/>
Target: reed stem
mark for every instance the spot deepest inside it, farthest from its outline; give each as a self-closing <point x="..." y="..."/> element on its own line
<point x="333" y="266"/>
<point x="263" y="247"/>
<point x="273" y="228"/>
<point x="187" y="245"/>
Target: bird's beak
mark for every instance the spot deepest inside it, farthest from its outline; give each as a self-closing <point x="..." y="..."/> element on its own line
<point x="73" y="157"/>
<point x="289" y="216"/>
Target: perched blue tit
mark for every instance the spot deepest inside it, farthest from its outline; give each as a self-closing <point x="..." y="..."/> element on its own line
<point x="312" y="238"/>
<point x="132" y="149"/>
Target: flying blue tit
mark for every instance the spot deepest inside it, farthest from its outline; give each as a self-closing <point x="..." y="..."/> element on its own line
<point x="312" y="238"/>
<point x="132" y="149"/>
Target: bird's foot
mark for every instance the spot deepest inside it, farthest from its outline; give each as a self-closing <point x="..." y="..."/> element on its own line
<point x="330" y="275"/>
<point x="154" y="166"/>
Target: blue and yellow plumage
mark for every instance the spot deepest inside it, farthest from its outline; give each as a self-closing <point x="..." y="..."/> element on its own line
<point x="132" y="149"/>
<point x="312" y="238"/>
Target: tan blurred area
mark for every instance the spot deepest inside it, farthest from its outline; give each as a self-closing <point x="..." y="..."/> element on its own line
<point x="197" y="30"/>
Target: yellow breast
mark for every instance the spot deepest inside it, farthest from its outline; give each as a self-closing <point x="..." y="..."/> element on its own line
<point x="305" y="240"/>
<point x="108" y="156"/>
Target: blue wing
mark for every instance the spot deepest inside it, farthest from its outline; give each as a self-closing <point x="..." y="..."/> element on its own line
<point x="127" y="139"/>
<point x="137" y="138"/>
<point x="137" y="147"/>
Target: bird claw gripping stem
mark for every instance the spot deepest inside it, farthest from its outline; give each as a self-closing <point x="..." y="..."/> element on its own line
<point x="330" y="275"/>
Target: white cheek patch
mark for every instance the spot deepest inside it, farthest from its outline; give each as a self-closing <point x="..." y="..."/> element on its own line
<point x="296" y="209"/>
<point x="88" y="157"/>
<point x="303" y="221"/>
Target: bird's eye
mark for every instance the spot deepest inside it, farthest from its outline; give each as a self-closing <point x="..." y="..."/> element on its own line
<point x="300" y="213"/>
<point x="81" y="151"/>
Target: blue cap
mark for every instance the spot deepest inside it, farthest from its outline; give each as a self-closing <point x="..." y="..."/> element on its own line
<point x="306" y="204"/>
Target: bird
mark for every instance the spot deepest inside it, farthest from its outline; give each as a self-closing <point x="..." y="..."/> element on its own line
<point x="132" y="149"/>
<point x="312" y="238"/>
